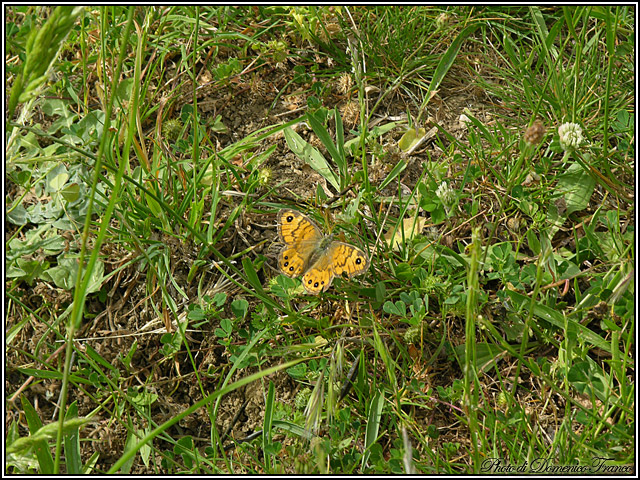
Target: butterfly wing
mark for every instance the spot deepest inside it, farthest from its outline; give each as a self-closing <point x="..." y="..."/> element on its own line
<point x="301" y="238"/>
<point x="348" y="259"/>
<point x="338" y="259"/>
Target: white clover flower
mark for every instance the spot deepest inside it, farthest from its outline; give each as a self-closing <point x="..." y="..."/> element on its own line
<point x="446" y="195"/>
<point x="570" y="135"/>
<point x="442" y="20"/>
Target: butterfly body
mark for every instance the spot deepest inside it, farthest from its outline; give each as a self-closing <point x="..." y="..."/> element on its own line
<point x="318" y="258"/>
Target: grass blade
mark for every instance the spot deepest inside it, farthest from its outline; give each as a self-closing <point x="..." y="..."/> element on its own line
<point x="73" y="459"/>
<point x="41" y="447"/>
<point x="373" y="425"/>
<point x="311" y="156"/>
<point x="266" y="427"/>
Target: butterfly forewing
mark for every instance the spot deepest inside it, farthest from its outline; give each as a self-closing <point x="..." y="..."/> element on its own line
<point x="348" y="259"/>
<point x="301" y="236"/>
<point x="336" y="258"/>
<point x="295" y="228"/>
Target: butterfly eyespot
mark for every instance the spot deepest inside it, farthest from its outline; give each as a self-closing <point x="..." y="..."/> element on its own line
<point x="289" y="218"/>
<point x="358" y="261"/>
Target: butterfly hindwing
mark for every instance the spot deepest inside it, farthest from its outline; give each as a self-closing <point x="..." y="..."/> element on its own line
<point x="291" y="261"/>
<point x="320" y="274"/>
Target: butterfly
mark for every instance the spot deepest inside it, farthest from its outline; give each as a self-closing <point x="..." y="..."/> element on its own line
<point x="318" y="258"/>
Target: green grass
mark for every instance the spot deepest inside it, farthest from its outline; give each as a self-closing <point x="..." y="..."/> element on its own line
<point x="148" y="153"/>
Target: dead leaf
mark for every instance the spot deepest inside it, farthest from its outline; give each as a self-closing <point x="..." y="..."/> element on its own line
<point x="409" y="229"/>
